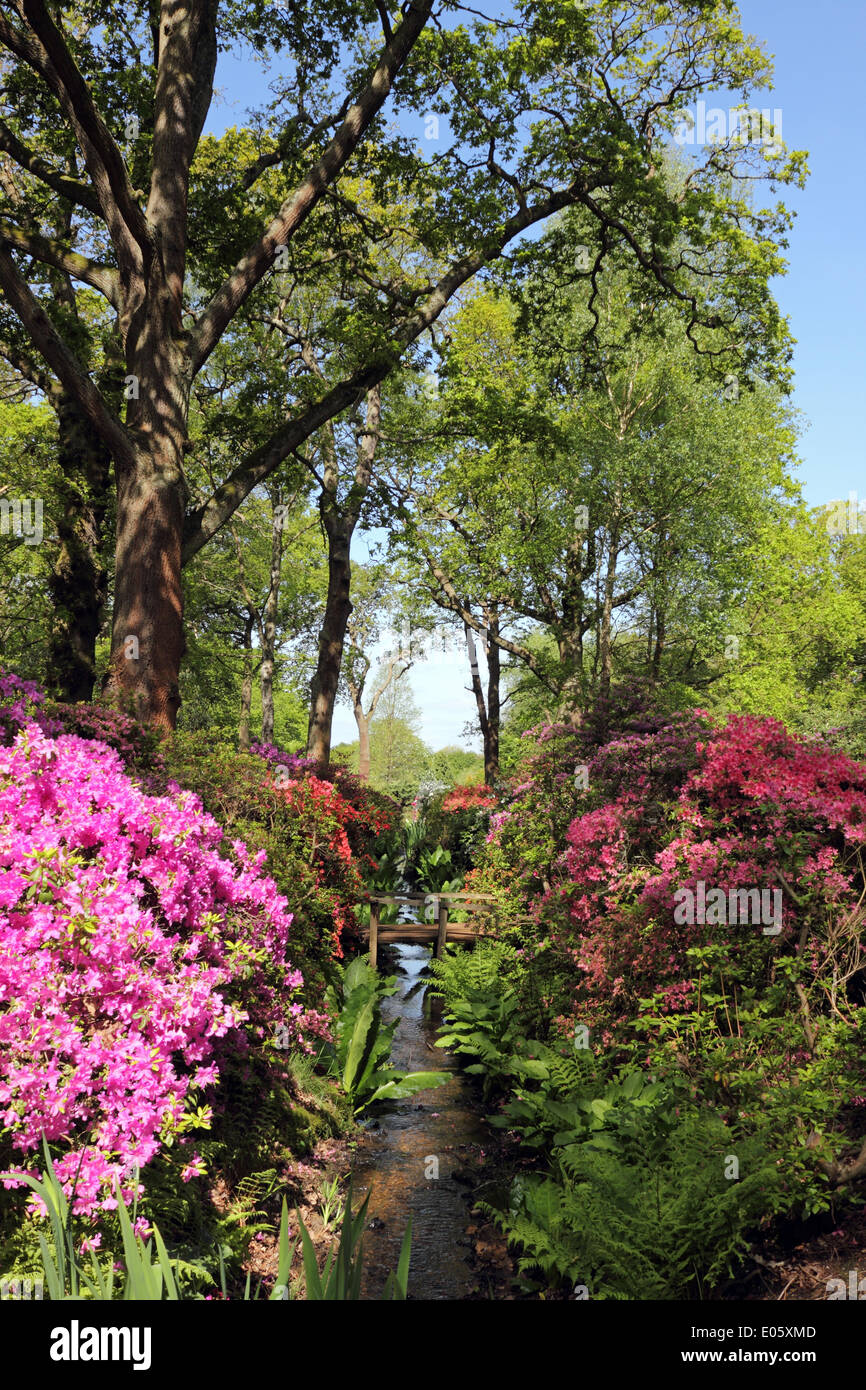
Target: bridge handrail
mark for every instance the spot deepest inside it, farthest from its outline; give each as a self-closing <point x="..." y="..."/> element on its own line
<point x="428" y="897"/>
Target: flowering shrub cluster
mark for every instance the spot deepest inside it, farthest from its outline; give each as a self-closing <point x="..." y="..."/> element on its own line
<point x="22" y="702"/>
<point x="760" y="809"/>
<point x="138" y="746"/>
<point x="764" y="1028"/>
<point x="321" y="833"/>
<point x="274" y="757"/>
<point x="137" y="951"/>
<point x="469" y="798"/>
<point x="320" y="812"/>
<point x="455" y="820"/>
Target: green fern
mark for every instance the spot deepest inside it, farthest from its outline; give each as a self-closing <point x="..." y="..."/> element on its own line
<point x="482" y="969"/>
<point x="646" y="1214"/>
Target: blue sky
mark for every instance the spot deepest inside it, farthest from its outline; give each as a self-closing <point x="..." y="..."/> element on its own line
<point x="819" y="54"/>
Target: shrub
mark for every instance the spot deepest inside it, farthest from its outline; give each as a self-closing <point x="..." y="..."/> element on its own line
<point x="319" y="834"/>
<point x="763" y="1026"/>
<point x="759" y="809"/>
<point x="456" y="822"/>
<point x="642" y="1209"/>
<point x="133" y="954"/>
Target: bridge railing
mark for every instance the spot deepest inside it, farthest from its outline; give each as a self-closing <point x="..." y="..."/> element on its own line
<point x="438" y="933"/>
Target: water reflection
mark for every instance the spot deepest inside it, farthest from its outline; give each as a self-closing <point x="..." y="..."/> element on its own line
<point x="410" y="1141"/>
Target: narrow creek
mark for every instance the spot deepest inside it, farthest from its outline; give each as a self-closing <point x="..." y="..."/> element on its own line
<point x="412" y="1140"/>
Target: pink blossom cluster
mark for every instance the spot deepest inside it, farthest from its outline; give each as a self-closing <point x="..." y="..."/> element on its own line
<point x="134" y="946"/>
<point x="748" y="805"/>
<point x="270" y="753"/>
<point x="19" y="701"/>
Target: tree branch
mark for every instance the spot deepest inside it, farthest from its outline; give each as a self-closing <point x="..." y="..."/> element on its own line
<point x="184" y="86"/>
<point x="207" y="519"/>
<point x="27" y="367"/>
<point x="63" y="361"/>
<point x="260" y="257"/>
<point x="77" y="192"/>
<point x="51" y="252"/>
<point x="46" y="52"/>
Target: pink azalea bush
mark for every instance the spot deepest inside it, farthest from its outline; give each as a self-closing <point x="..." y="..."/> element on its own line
<point x="759" y="809"/>
<point x="608" y="830"/>
<point x="20" y="700"/>
<point x="136" y="952"/>
<point x="664" y="803"/>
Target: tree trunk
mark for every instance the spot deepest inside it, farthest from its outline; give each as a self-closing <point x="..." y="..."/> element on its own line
<point x="269" y="627"/>
<point x="488" y="714"/>
<point x="338" y="607"/>
<point x="491" y="743"/>
<point x="477" y="689"/>
<point x="363" y="723"/>
<point x="339" y="523"/>
<point x="78" y="583"/>
<point x="571" y="659"/>
<point x="604" y="635"/>
<point x="659" y="645"/>
<point x="246" y="686"/>
<point x="578" y="568"/>
<point x="148" y="641"/>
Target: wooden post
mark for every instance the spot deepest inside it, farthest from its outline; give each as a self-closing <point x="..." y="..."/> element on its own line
<point x="374" y="933"/>
<point x="443" y="928"/>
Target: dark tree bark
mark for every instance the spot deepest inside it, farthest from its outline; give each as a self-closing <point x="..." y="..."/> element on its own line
<point x="339" y="522"/>
<point x="246" y="685"/>
<point x="148" y="641"/>
<point x="78" y="583"/>
<point x="491" y="747"/>
<point x="489" y="711"/>
<point x="269" y="622"/>
<point x="338" y="607"/>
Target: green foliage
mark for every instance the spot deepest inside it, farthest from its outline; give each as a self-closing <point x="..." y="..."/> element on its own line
<point x="460" y="831"/>
<point x="360" y="1057"/>
<point x="801" y="656"/>
<point x="340" y="1280"/>
<point x="634" y="1194"/>
<point x="28" y="443"/>
<point x="674" y="480"/>
<point x="643" y="1208"/>
<point x="484" y="1020"/>
<point x="144" y="1277"/>
<point x="811" y="1108"/>
<point x="460" y="973"/>
<point x="435" y="870"/>
<point x="150" y="1273"/>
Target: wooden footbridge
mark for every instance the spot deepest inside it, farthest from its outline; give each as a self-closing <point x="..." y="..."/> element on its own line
<point x="437" y="932"/>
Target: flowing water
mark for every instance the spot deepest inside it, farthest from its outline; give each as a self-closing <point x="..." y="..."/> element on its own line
<point x="411" y="1142"/>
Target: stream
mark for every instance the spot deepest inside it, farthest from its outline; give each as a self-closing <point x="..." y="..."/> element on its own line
<point x="409" y="1142"/>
